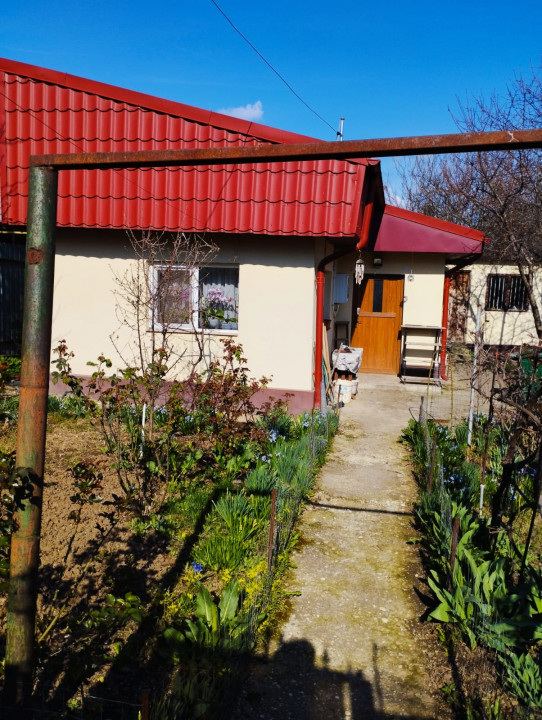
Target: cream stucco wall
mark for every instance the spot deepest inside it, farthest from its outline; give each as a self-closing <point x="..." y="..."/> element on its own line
<point x="499" y="327"/>
<point x="423" y="289"/>
<point x="276" y="303"/>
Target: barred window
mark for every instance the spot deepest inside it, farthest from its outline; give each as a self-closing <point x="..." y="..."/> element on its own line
<point x="506" y="292"/>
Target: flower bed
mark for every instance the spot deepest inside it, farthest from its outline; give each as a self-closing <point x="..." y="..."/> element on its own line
<point x="484" y="582"/>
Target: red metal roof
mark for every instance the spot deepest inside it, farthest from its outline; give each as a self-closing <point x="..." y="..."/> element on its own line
<point x="43" y="111"/>
<point x="407" y="231"/>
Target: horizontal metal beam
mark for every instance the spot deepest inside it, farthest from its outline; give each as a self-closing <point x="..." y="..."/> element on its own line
<point x="347" y="150"/>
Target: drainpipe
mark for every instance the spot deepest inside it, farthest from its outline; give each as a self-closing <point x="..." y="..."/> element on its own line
<point x="320" y="279"/>
<point x="448" y="275"/>
<point x="444" y="339"/>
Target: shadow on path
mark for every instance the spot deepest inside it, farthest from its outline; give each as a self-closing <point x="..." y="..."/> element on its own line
<point x="290" y="685"/>
<point x="377" y="511"/>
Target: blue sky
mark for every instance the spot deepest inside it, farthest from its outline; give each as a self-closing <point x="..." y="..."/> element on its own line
<point x="390" y="69"/>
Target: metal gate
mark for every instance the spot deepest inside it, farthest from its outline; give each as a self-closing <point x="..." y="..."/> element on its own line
<point x="12" y="252"/>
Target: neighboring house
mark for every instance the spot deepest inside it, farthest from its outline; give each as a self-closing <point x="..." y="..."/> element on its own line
<point x="496" y="293"/>
<point x="278" y="226"/>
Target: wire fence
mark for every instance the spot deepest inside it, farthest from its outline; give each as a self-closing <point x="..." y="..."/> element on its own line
<point x="467" y="386"/>
<point x="79" y="708"/>
<point x="473" y="567"/>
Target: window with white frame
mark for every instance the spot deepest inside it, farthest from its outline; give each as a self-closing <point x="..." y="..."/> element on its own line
<point x="506" y="292"/>
<point x="203" y="297"/>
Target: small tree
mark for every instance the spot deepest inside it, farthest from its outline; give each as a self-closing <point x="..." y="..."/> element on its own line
<point x="155" y="291"/>
<point x="498" y="192"/>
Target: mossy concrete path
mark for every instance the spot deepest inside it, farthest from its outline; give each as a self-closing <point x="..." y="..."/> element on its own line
<point x="354" y="646"/>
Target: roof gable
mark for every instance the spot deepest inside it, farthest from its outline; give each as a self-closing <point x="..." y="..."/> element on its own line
<point x="407" y="231"/>
<point x="44" y="111"/>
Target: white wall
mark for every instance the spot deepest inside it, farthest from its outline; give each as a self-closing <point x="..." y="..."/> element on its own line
<point x="276" y="302"/>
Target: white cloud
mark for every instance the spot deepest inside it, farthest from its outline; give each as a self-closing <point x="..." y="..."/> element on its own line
<point x="245" y="112"/>
<point x="393" y="198"/>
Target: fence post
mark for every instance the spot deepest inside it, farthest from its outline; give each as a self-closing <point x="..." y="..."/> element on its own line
<point x="271" y="529"/>
<point x="431" y="476"/>
<point x="474" y="380"/>
<point x="145" y="703"/>
<point x="422" y="413"/>
<point x="455" y="538"/>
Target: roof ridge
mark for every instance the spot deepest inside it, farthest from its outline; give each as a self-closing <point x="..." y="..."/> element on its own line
<point x="152" y="102"/>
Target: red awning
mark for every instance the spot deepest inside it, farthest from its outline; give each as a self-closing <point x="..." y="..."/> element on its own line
<point x="407" y="231"/>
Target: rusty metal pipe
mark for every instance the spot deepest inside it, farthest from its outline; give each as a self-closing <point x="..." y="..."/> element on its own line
<point x="346" y="150"/>
<point x="30" y="456"/>
<point x="39" y="276"/>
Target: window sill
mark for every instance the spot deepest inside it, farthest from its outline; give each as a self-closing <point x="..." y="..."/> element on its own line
<point x="217" y="331"/>
<point x="506" y="310"/>
<point x="196" y="331"/>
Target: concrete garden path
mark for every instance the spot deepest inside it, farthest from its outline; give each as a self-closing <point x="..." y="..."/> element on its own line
<point x="353" y="647"/>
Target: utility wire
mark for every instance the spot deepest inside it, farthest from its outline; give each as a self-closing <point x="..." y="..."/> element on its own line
<point x="281" y="77"/>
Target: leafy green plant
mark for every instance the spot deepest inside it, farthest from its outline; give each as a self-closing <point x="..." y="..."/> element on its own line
<point x="261" y="480"/>
<point x="203" y="646"/>
<point x="483" y="595"/>
<point x="144" y="420"/>
<point x="278" y="422"/>
<point x="10" y="369"/>
<point x="454" y="607"/>
<point x="215" y="625"/>
<point x="524" y="678"/>
<point x="9" y="407"/>
<point x="220" y="553"/>
<point x="86" y="481"/>
<point x="7" y="468"/>
<point x="115" y="610"/>
<point x="236" y="513"/>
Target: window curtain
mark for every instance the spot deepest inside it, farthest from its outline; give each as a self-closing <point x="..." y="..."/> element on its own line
<point x="222" y="285"/>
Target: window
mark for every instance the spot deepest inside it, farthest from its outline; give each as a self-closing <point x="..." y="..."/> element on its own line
<point x="506" y="292"/>
<point x="196" y="297"/>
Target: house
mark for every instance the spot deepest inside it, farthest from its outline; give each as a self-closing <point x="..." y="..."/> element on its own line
<point x="491" y="295"/>
<point x="277" y="226"/>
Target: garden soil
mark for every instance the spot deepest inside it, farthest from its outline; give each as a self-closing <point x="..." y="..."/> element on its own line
<point x="355" y="645"/>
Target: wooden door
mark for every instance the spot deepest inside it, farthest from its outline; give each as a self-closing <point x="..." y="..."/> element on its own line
<point x="377" y="327"/>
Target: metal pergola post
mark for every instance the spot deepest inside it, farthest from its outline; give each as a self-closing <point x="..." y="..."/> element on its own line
<point x="38" y="302"/>
<point x="30" y="455"/>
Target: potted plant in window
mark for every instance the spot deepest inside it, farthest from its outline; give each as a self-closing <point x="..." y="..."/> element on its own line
<point x="230" y="319"/>
<point x="212" y="311"/>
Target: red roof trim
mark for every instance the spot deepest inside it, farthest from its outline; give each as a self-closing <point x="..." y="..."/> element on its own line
<point x="169" y="107"/>
<point x="433" y="222"/>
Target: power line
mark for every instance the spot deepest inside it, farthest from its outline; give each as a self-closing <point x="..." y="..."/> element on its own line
<point x="281" y="77"/>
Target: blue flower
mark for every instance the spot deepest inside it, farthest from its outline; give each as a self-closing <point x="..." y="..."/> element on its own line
<point x="197" y="567"/>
